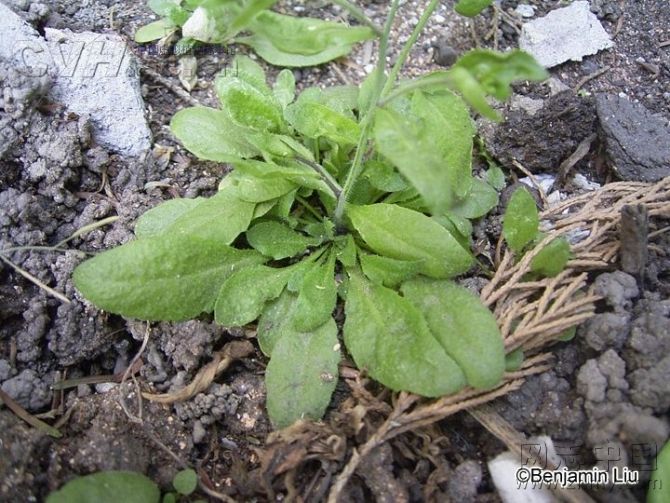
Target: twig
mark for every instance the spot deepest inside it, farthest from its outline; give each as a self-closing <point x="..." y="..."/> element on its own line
<point x="232" y="351"/>
<point x="36" y="281"/>
<point x="590" y="76"/>
<point x="358" y="14"/>
<point x="540" y="190"/>
<point x="171" y="86"/>
<point x="27" y="417"/>
<point x="579" y="153"/>
<point x="135" y="418"/>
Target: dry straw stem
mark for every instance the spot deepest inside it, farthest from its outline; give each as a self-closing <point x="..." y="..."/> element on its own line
<point x="531" y="314"/>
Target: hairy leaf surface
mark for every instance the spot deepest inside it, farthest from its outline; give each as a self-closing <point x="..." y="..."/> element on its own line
<point x="158" y="219"/>
<point x="465" y="328"/>
<point x="300" y="388"/>
<point x="405" y="234"/>
<point x="170" y="277"/>
<point x="277" y="240"/>
<point x="389" y="337"/>
<point x="318" y="295"/>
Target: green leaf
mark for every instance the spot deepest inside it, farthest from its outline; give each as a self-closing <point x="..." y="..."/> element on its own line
<point x="257" y="190"/>
<point x="290" y="41"/>
<point x="514" y="360"/>
<point x="246" y="69"/>
<point x="244" y="294"/>
<point x="346" y="251"/>
<point x="496" y="178"/>
<point x="388" y="271"/>
<point x="158" y="219"/>
<point x="481" y="199"/>
<point x="431" y="146"/>
<point x="521" y="220"/>
<point x="315" y="120"/>
<point x="277" y="240"/>
<point x="496" y="71"/>
<point x="551" y="260"/>
<point x="170" y="277"/>
<point x="169" y="498"/>
<point x="404" y="234"/>
<point x="276" y="319"/>
<point x="318" y="295"/>
<point x="465" y="328"/>
<point x="383" y="177"/>
<point x="247" y="105"/>
<point x="185" y="482"/>
<point x="284" y="88"/>
<point x="212" y="135"/>
<point x="290" y="171"/>
<point x="223" y="216"/>
<point x="107" y="487"/>
<point x="388" y="336"/>
<point x="659" y="488"/>
<point x="567" y="334"/>
<point x="471" y="8"/>
<point x="154" y="31"/>
<point x="302" y="374"/>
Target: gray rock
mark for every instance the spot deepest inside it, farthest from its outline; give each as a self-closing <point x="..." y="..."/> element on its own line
<point x="103" y="83"/>
<point x="606" y="330"/>
<point x="462" y="485"/>
<point x="91" y="74"/>
<point x="591" y="383"/>
<point x="566" y="34"/>
<point x="28" y="390"/>
<point x="5" y="370"/>
<point x="649" y="387"/>
<point x="618" y="289"/>
<point x="636" y="141"/>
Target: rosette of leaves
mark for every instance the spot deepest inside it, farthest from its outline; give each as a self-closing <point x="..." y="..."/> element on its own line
<point x="311" y="213"/>
<point x="279" y="39"/>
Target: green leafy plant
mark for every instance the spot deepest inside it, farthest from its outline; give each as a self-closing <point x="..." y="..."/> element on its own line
<point x="659" y="488"/>
<point x="115" y="486"/>
<point x="279" y="39"/>
<point x="521" y="224"/>
<point x="362" y="194"/>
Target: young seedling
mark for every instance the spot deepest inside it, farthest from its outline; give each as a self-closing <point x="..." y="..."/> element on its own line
<point x="362" y="194"/>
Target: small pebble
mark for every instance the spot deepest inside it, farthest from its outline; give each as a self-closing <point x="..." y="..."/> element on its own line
<point x="444" y="54"/>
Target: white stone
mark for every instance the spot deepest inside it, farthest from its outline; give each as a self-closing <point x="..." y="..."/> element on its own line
<point x="90" y="74"/>
<point x="566" y="34"/>
<point x="525" y="10"/>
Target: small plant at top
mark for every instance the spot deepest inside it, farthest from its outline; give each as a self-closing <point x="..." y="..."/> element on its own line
<point x="279" y="39"/>
<point x="362" y="194"/>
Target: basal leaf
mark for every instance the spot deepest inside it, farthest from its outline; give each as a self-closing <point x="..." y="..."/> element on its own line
<point x="170" y="277"/>
<point x="431" y="146"/>
<point x="389" y="337"/>
<point x="294" y="172"/>
<point x="471" y="8"/>
<point x="315" y="120"/>
<point x="257" y="190"/>
<point x="514" y="360"/>
<point x="465" y="328"/>
<point x="185" y="481"/>
<point x="302" y="374"/>
<point x="276" y="319"/>
<point x="223" y="216"/>
<point x="383" y="176"/>
<point x="403" y="234"/>
<point x="521" y="220"/>
<point x="244" y="294"/>
<point x="551" y="260"/>
<point x="291" y="41"/>
<point x="247" y="105"/>
<point x="158" y="219"/>
<point x="496" y="178"/>
<point x="284" y="88"/>
<point x="108" y="487"/>
<point x="388" y="271"/>
<point x="346" y="251"/>
<point x="211" y="135"/>
<point x="247" y="70"/>
<point x="318" y="295"/>
<point x="277" y="240"/>
<point x="481" y="199"/>
<point x="154" y="31"/>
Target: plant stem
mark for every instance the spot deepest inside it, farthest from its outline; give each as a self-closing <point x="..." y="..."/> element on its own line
<point x="325" y="176"/>
<point x="366" y="122"/>
<point x="404" y="53"/>
<point x="358" y="13"/>
<point x="414" y="84"/>
<point x="309" y="207"/>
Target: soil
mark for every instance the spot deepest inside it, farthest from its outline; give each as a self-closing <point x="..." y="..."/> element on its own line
<point x="605" y="401"/>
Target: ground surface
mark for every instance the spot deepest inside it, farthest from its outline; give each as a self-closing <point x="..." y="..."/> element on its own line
<point x="608" y="389"/>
